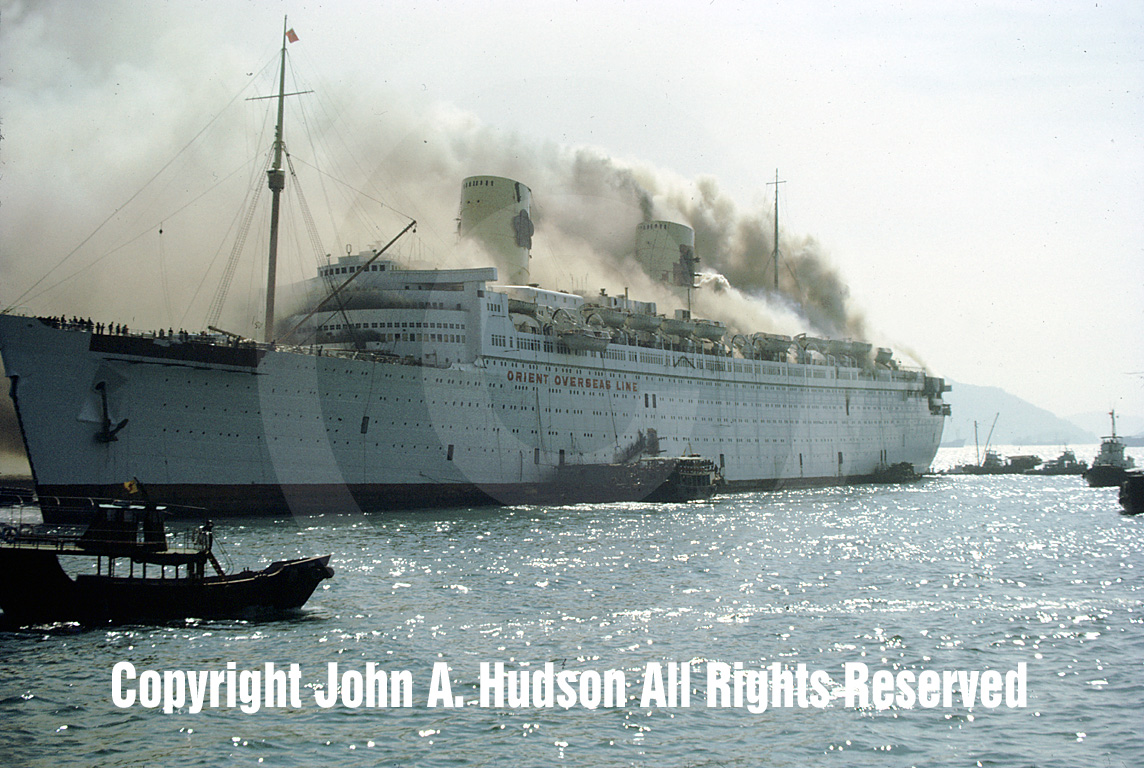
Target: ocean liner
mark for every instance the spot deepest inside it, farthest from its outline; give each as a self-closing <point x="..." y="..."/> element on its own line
<point x="400" y="388"/>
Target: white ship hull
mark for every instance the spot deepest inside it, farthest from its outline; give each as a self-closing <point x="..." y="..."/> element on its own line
<point x="256" y="430"/>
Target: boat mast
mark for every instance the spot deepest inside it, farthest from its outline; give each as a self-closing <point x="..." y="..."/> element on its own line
<point x="775" y="252"/>
<point x="989" y="439"/>
<point x="277" y="180"/>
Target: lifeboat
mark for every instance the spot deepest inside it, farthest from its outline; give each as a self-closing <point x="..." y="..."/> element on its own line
<point x="773" y="345"/>
<point x="584" y="339"/>
<point x="712" y="330"/>
<point x="639" y="321"/>
<point x="613" y="318"/>
<point x="680" y="325"/>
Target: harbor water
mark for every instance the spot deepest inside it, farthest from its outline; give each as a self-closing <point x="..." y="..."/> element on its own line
<point x="952" y="573"/>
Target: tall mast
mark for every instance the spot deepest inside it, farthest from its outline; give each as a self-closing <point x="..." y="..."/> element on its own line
<point x="775" y="252"/>
<point x="277" y="181"/>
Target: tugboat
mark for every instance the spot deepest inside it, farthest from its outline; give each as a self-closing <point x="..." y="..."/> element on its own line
<point x="693" y="477"/>
<point x="139" y="575"/>
<point x="1110" y="467"/>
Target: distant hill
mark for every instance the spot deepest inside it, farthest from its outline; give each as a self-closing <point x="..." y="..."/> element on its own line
<point x="1019" y="422"/>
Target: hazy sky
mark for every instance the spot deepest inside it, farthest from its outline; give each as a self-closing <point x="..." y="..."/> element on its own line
<point x="974" y="171"/>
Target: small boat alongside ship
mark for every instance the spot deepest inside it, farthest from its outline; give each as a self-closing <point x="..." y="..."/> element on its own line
<point x="691" y="477"/>
<point x="902" y="472"/>
<point x="141" y="574"/>
<point x="661" y="479"/>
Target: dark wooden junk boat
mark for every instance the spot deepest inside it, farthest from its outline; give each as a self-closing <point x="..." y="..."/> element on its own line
<point x="140" y="574"/>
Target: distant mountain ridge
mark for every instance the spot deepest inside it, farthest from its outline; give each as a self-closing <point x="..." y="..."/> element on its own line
<point x="1019" y="422"/>
<point x="1128" y="425"/>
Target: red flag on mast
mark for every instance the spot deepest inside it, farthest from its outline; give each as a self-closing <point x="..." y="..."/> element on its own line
<point x="291" y="36"/>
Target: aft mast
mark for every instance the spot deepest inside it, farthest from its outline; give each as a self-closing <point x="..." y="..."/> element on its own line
<point x="277" y="180"/>
<point x="775" y="252"/>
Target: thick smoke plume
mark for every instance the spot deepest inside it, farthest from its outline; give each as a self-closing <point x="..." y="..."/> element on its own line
<point x="739" y="244"/>
<point x="587" y="205"/>
<point x="141" y="226"/>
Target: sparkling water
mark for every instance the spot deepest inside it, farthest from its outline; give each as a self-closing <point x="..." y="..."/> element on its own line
<point x="948" y="574"/>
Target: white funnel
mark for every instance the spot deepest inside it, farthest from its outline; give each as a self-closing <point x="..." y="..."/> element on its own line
<point x="495" y="212"/>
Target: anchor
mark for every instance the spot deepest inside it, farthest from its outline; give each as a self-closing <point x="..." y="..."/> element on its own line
<point x="107" y="433"/>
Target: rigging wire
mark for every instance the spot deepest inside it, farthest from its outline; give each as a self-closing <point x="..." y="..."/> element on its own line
<point x="334" y="118"/>
<point x="235" y="252"/>
<point x="243" y="218"/>
<point x="329" y="207"/>
<point x="329" y="115"/>
<point x="127" y="202"/>
<point x="312" y="231"/>
<point x="230" y="228"/>
<point x="307" y="217"/>
<point x="352" y="188"/>
<point x="28" y="296"/>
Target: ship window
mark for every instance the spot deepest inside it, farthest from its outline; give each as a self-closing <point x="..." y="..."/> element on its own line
<point x="535" y="455"/>
<point x="449" y="454"/>
<point x="562" y="457"/>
